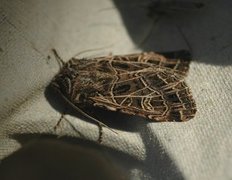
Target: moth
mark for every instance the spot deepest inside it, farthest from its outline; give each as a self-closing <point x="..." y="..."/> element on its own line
<point x="145" y="84"/>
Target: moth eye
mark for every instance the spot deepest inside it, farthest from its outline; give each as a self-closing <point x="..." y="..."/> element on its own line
<point x="63" y="84"/>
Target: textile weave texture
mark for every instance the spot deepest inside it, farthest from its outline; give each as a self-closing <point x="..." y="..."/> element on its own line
<point x="198" y="149"/>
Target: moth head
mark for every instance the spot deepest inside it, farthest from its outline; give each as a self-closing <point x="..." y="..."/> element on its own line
<point x="63" y="80"/>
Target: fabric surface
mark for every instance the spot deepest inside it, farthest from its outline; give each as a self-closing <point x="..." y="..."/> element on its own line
<point x="198" y="149"/>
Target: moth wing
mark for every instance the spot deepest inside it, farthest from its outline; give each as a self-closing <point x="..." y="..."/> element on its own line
<point x="153" y="92"/>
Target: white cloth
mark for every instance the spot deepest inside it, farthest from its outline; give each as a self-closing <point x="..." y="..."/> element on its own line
<point x="198" y="149"/>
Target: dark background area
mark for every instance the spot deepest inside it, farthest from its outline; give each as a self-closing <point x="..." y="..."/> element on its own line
<point x="203" y="27"/>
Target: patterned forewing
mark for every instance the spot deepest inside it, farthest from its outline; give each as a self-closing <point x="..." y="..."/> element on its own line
<point x="147" y="89"/>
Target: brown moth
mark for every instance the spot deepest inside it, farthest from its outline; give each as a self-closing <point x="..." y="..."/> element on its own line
<point x="145" y="84"/>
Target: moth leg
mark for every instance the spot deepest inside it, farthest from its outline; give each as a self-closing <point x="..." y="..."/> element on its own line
<point x="59" y="121"/>
<point x="100" y="133"/>
<point x="61" y="118"/>
<point x="73" y="127"/>
<point x="99" y="125"/>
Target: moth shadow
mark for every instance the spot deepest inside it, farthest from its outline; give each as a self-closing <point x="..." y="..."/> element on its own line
<point x="113" y="119"/>
<point x="117" y="119"/>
